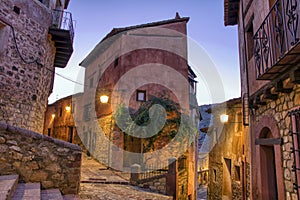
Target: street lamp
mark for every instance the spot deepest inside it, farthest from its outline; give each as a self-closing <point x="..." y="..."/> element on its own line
<point x="68" y="108"/>
<point x="224" y="118"/>
<point x="104" y="98"/>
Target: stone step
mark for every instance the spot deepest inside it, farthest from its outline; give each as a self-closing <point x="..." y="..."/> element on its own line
<point x="8" y="184"/>
<point x="51" y="194"/>
<point x="71" y="197"/>
<point x="27" y="191"/>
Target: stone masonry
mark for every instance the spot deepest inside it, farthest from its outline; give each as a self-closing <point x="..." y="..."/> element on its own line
<point x="39" y="158"/>
<point x="26" y="63"/>
<point x="279" y="109"/>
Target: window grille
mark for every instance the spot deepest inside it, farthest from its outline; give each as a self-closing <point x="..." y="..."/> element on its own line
<point x="295" y="149"/>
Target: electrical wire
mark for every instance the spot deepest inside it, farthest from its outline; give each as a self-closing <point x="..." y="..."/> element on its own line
<point x="37" y="60"/>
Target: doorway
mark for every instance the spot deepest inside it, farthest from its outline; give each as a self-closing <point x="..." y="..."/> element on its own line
<point x="268" y="166"/>
<point x="132" y="150"/>
<point x="226" y="185"/>
<point x="70" y="134"/>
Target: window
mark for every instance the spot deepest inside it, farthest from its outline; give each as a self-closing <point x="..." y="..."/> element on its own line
<point x="70" y="134"/>
<point x="49" y="132"/>
<point x="72" y="107"/>
<point x="250" y="42"/>
<point x="181" y="163"/>
<point x="87" y="112"/>
<point x="17" y="10"/>
<point x="60" y="111"/>
<point x="215" y="175"/>
<point x="294" y="130"/>
<point x="141" y="95"/>
<point x="91" y="82"/>
<point x="237" y="173"/>
<point x="227" y="163"/>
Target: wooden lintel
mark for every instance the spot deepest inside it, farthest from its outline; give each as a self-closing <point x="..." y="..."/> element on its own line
<point x="268" y="141"/>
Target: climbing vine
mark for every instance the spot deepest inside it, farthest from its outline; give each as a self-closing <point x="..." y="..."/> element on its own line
<point x="177" y="124"/>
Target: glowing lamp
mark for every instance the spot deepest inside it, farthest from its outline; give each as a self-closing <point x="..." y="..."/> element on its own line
<point x="68" y="108"/>
<point x="224" y="118"/>
<point x="104" y="99"/>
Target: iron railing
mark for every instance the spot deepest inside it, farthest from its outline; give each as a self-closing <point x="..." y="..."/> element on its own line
<point x="63" y="20"/>
<point x="278" y="33"/>
<point x="152" y="171"/>
<point x="295" y="149"/>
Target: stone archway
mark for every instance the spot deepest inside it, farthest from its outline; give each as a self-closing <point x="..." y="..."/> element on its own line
<point x="268" y="159"/>
<point x="267" y="166"/>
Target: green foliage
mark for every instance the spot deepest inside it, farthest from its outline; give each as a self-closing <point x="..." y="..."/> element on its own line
<point x="177" y="124"/>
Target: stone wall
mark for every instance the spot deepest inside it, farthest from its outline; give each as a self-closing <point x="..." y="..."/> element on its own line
<point x="59" y="121"/>
<point x="39" y="158"/>
<point x="155" y="184"/>
<point x="228" y="157"/>
<point x="215" y="181"/>
<point x="26" y="63"/>
<point x="183" y="184"/>
<point x="279" y="109"/>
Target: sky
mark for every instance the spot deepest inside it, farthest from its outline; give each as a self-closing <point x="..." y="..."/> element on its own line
<point x="94" y="19"/>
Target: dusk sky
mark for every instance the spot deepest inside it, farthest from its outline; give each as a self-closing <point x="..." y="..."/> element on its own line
<point x="94" y="19"/>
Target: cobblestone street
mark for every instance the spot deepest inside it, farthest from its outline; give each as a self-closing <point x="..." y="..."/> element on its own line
<point x="98" y="182"/>
<point x="202" y="192"/>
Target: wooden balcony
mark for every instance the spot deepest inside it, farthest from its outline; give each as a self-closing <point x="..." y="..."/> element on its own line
<point x="276" y="43"/>
<point x="62" y="32"/>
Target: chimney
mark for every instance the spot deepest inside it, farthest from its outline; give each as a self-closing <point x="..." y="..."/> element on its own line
<point x="177" y="16"/>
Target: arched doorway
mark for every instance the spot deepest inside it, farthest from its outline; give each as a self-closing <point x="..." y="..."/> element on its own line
<point x="266" y="144"/>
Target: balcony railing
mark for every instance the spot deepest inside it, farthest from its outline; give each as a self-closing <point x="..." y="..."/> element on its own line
<point x="62" y="32"/>
<point x="276" y="41"/>
<point x="63" y="20"/>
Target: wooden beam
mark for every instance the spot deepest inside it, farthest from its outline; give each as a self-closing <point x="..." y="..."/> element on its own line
<point x="280" y="88"/>
<point x="258" y="100"/>
<point x="268" y="141"/>
<point x="269" y="95"/>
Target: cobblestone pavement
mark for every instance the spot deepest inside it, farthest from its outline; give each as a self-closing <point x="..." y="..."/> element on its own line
<point x="202" y="192"/>
<point x="98" y="182"/>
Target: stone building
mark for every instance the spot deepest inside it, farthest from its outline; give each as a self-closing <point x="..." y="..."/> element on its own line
<point x="269" y="56"/>
<point x="204" y="144"/>
<point x="35" y="37"/>
<point x="131" y="70"/>
<point x="59" y="119"/>
<point x="229" y="169"/>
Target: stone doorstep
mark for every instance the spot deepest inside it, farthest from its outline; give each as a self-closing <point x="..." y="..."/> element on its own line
<point x="8" y="184"/>
<point x="28" y="191"/>
<point x="51" y="194"/>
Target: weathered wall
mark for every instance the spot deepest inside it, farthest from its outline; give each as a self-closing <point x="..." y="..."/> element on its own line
<point x="26" y="63"/>
<point x="38" y="158"/>
<point x="231" y="146"/>
<point x="183" y="181"/>
<point x="59" y="121"/>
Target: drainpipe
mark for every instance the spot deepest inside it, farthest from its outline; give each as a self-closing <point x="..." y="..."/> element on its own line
<point x="247" y="95"/>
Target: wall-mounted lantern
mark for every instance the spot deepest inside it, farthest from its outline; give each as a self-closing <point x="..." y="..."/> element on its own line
<point x="104" y="98"/>
<point x="224" y="118"/>
<point x="68" y="108"/>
